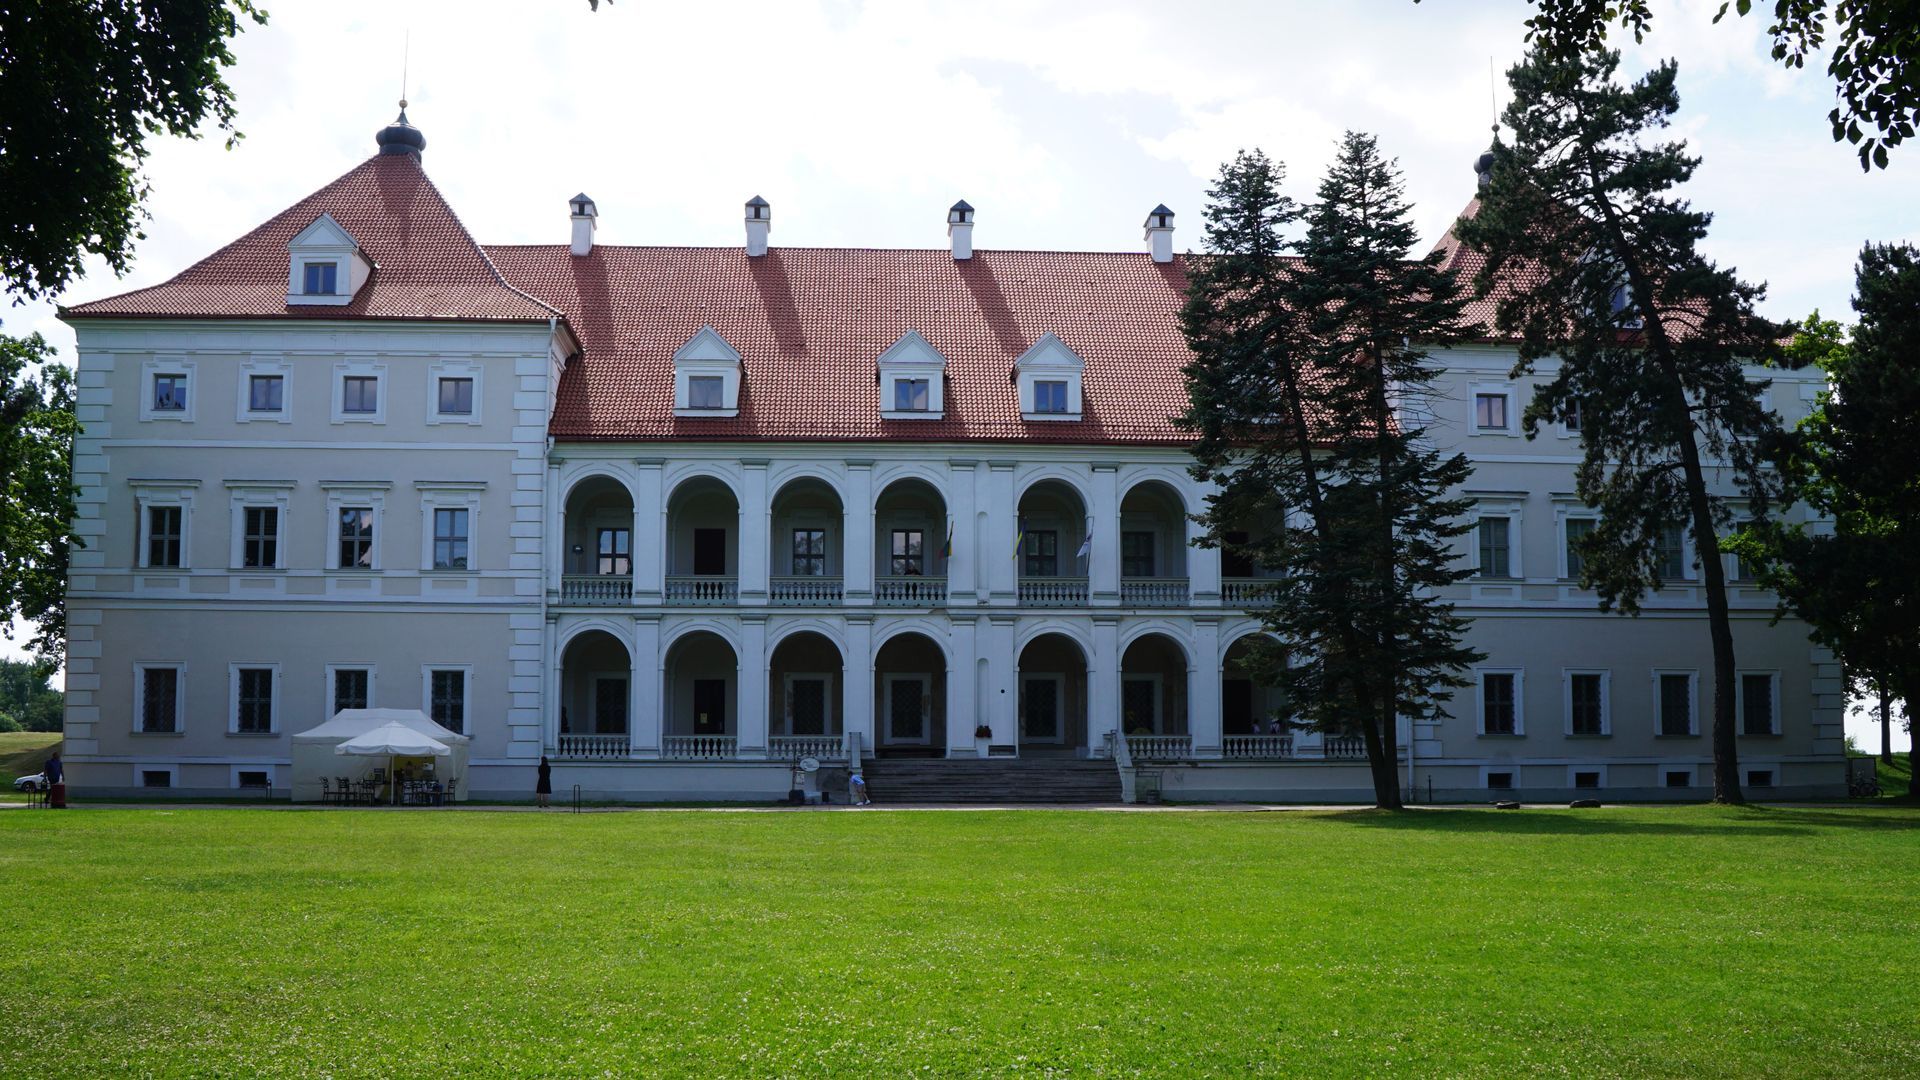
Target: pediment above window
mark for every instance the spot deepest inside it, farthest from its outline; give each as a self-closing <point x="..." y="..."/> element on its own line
<point x="1048" y="378"/>
<point x="325" y="265"/>
<point x="706" y="376"/>
<point x="912" y="378"/>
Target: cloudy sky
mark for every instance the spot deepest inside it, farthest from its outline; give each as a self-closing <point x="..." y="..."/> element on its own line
<point x="1063" y="123"/>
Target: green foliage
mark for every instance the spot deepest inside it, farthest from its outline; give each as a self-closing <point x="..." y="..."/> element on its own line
<point x="28" y="700"/>
<point x="1595" y="263"/>
<point x="83" y="86"/>
<point x="37" y="428"/>
<point x="1873" y="57"/>
<point x="1853" y="461"/>
<point x="233" y="942"/>
<point x="1302" y="393"/>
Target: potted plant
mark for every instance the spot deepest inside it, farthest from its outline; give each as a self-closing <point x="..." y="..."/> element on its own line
<point x="982" y="739"/>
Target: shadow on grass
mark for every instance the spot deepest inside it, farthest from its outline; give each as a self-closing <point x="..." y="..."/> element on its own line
<point x="1687" y="821"/>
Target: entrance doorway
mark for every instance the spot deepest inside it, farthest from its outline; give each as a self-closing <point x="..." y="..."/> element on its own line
<point x="709" y="706"/>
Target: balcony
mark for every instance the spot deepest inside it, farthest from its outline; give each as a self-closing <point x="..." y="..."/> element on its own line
<point x="1059" y="592"/>
<point x="795" y="747"/>
<point x="1257" y="747"/>
<point x="595" y="589"/>
<point x="910" y="592"/>
<point x="1243" y="592"/>
<point x="805" y="591"/>
<point x="698" y="747"/>
<point x="702" y="590"/>
<point x="1153" y="592"/>
<point x="1160" y="747"/>
<point x="588" y="747"/>
<point x="1345" y="748"/>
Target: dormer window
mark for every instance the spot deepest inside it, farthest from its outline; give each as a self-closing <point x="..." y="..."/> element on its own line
<point x="1048" y="380"/>
<point x="706" y="377"/>
<point x="325" y="265"/>
<point x="912" y="380"/>
<point x="320" y="278"/>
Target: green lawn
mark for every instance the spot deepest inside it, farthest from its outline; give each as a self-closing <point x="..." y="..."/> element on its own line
<point x="1665" y="941"/>
<point x="23" y="752"/>
<point x="1896" y="776"/>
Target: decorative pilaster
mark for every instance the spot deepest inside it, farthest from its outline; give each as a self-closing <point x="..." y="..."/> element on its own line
<point x="1103" y="561"/>
<point x="752" y="682"/>
<point x="1103" y="683"/>
<point x="756" y="524"/>
<point x="997" y="514"/>
<point x="1203" y="566"/>
<point x="856" y="680"/>
<point x="963" y="566"/>
<point x="1203" y="689"/>
<point x="999" y="683"/>
<point x="964" y="678"/>
<point x="857" y="560"/>
<point x="647" y="682"/>
<point x="649" y="545"/>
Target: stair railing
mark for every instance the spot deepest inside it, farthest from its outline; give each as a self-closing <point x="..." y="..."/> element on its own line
<point x="1123" y="761"/>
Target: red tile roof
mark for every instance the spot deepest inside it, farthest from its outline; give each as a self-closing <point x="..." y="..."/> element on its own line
<point x="810" y="323"/>
<point x="427" y="265"/>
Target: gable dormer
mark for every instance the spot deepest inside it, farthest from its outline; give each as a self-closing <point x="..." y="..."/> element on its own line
<point x="913" y="378"/>
<point x="1048" y="377"/>
<point x="706" y="376"/>
<point x="325" y="265"/>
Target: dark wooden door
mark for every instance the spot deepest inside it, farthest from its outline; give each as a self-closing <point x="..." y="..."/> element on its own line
<point x="710" y="552"/>
<point x="1236" y="707"/>
<point x="709" y="706"/>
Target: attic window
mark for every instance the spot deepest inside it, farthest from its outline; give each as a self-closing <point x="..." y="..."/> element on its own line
<point x="320" y="278"/>
<point x="912" y="376"/>
<point x="1048" y="380"/>
<point x="704" y="391"/>
<point x="706" y="377"/>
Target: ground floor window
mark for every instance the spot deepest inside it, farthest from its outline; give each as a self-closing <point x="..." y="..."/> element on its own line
<point x="1583" y="778"/>
<point x="1500" y="781"/>
<point x="1759" y="777"/>
<point x="253" y="707"/>
<point x="1679" y="778"/>
<point x="1499" y="703"/>
<point x="156" y="778"/>
<point x="159" y="701"/>
<point x="352" y="689"/>
<point x="447" y="699"/>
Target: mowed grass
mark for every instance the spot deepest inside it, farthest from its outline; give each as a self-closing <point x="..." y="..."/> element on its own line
<point x="1644" y="941"/>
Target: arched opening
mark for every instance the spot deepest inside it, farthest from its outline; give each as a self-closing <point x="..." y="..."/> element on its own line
<point x="910" y="535"/>
<point x="595" y="681"/>
<point x="1053" y="696"/>
<point x="1242" y="568"/>
<point x="910" y="696"/>
<point x="702" y="698"/>
<point x="1153" y="698"/>
<point x="806" y="706"/>
<point x="1153" y="546"/>
<point x="1053" y="546"/>
<point x="703" y="543"/>
<point x="1253" y="714"/>
<point x="598" y="560"/>
<point x="805" y="545"/>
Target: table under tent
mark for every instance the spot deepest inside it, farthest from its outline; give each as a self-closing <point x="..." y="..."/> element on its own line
<point x="378" y="751"/>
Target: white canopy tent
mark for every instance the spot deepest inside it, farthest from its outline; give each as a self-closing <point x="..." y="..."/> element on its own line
<point x="379" y="736"/>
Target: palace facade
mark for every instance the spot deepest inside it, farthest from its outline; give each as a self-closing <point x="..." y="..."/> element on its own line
<point x="678" y="517"/>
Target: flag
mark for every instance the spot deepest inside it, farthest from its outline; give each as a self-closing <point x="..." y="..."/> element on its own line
<point x="947" y="552"/>
<point x="1019" y="534"/>
<point x="1085" y="546"/>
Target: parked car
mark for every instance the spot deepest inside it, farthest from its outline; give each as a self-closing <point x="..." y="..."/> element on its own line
<point x="35" y="782"/>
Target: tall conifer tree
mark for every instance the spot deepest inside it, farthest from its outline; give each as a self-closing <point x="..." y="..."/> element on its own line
<point x="1595" y="262"/>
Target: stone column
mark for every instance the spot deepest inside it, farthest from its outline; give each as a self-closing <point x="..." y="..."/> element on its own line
<point x="555" y="682"/>
<point x="1203" y="688"/>
<point x="556" y="528"/>
<point x="963" y="567"/>
<point x="1203" y="567"/>
<point x="1103" y="682"/>
<point x="646" y="712"/>
<point x="750" y="687"/>
<point x="650" y="540"/>
<point x="756" y="514"/>
<point x="964" y="708"/>
<point x="1103" y="562"/>
<point x="857" y="542"/>
<point x="999" y="680"/>
<point x="856" y="681"/>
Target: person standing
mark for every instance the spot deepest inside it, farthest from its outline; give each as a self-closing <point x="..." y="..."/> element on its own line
<point x="55" y="772"/>
<point x="543" y="786"/>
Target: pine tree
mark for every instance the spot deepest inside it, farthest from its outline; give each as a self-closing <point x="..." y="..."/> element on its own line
<point x="1594" y="262"/>
<point x="1301" y="392"/>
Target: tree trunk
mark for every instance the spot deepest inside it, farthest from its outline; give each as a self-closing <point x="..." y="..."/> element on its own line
<point x="1886" y="721"/>
<point x="1726" y="754"/>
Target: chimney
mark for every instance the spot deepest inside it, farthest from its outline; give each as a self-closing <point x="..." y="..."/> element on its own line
<point x="960" y="228"/>
<point x="585" y="219"/>
<point x="1160" y="233"/>
<point x="759" y="224"/>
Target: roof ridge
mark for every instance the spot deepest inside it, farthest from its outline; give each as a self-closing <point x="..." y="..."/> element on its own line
<point x="479" y="248"/>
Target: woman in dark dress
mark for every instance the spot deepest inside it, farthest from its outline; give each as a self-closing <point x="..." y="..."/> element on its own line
<point x="544" y="786"/>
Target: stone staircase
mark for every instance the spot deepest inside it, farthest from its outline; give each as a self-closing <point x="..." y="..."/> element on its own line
<point x="899" y="781"/>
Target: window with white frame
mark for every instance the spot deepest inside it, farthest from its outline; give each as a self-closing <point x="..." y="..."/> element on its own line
<point x="453" y="392"/>
<point x="1676" y="776"/>
<point x="255" y="693"/>
<point x="164" y="518"/>
<point x="450" y="538"/>
<point x="1576" y="530"/>
<point x="252" y="777"/>
<point x="706" y="376"/>
<point x="355" y="522"/>
<point x="1587" y="703"/>
<point x="1674" y="695"/>
<point x="446" y="694"/>
<point x="359" y="392"/>
<point x="1494" y="536"/>
<point x="259" y="524"/>
<point x="260" y="537"/>
<point x="159" y="698"/>
<point x="166" y="389"/>
<point x="1572" y="417"/>
<point x="148" y="775"/>
<point x="264" y="391"/>
<point x="349" y="686"/>
<point x="1050" y="379"/>
<point x="319" y="278"/>
<point x="912" y="376"/>
<point x="1498" y="779"/>
<point x="1670" y="553"/>
<point x="450" y="512"/>
<point x="1757" y="700"/>
<point x="1500" y="706"/>
<point x="1586" y="777"/>
<point x="1494" y="412"/>
<point x="324" y="265"/>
